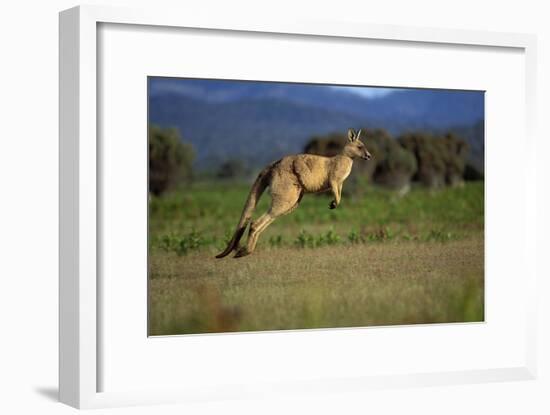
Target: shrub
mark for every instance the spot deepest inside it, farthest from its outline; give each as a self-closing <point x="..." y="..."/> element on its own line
<point x="472" y="173"/>
<point x="383" y="233"/>
<point x="231" y="169"/>
<point x="305" y="240"/>
<point x="441" y="160"/>
<point x="355" y="237"/>
<point x="395" y="166"/>
<point x="455" y="152"/>
<point x="438" y="235"/>
<point x="181" y="245"/>
<point x="326" y="146"/>
<point x="170" y="160"/>
<point x="329" y="238"/>
<point x="276" y="241"/>
<point x="429" y="158"/>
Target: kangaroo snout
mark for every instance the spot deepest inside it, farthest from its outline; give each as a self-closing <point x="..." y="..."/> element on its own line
<point x="366" y="156"/>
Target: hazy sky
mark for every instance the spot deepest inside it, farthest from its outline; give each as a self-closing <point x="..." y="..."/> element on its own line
<point x="371" y="92"/>
<point x="196" y="87"/>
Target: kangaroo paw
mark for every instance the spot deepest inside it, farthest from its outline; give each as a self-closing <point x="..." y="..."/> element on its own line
<point x="332" y="205"/>
<point x="242" y="252"/>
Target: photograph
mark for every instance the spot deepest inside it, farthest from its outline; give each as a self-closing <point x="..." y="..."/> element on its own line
<point x="292" y="206"/>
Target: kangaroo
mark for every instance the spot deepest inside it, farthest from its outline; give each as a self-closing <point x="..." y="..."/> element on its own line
<point x="288" y="179"/>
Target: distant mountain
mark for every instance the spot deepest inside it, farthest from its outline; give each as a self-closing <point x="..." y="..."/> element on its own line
<point x="427" y="109"/>
<point x="218" y="91"/>
<point x="256" y="130"/>
<point x="262" y="121"/>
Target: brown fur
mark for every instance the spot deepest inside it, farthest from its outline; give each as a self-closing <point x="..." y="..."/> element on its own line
<point x="288" y="180"/>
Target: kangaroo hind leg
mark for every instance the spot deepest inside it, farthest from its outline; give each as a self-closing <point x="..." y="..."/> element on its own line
<point x="279" y="206"/>
<point x="256" y="228"/>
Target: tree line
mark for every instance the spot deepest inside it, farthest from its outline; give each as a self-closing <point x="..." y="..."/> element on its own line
<point x="433" y="160"/>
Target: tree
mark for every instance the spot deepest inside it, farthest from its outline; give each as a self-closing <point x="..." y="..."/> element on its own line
<point x="456" y="153"/>
<point x="441" y="160"/>
<point x="395" y="165"/>
<point x="231" y="169"/>
<point x="429" y="157"/>
<point x="170" y="159"/>
<point x="472" y="173"/>
<point x="327" y="146"/>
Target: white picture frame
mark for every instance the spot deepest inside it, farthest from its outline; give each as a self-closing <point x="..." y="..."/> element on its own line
<point x="80" y="167"/>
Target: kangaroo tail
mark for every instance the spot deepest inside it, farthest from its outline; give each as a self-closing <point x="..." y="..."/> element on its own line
<point x="259" y="186"/>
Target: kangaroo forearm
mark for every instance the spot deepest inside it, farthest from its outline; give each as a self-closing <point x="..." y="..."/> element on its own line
<point x="335" y="188"/>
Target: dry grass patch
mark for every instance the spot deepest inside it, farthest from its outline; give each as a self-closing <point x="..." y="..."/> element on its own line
<point x="334" y="286"/>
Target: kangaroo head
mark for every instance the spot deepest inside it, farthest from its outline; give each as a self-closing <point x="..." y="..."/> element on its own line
<point x="355" y="148"/>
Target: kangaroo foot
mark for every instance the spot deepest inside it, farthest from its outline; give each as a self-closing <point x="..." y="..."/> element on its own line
<point x="332" y="205"/>
<point x="242" y="252"/>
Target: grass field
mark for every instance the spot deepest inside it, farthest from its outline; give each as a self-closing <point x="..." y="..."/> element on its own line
<point x="378" y="259"/>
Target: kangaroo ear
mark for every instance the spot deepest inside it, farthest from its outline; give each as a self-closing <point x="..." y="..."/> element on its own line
<point x="358" y="134"/>
<point x="351" y="135"/>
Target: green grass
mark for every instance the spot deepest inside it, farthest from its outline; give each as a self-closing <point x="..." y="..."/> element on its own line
<point x="212" y="210"/>
<point x="379" y="259"/>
